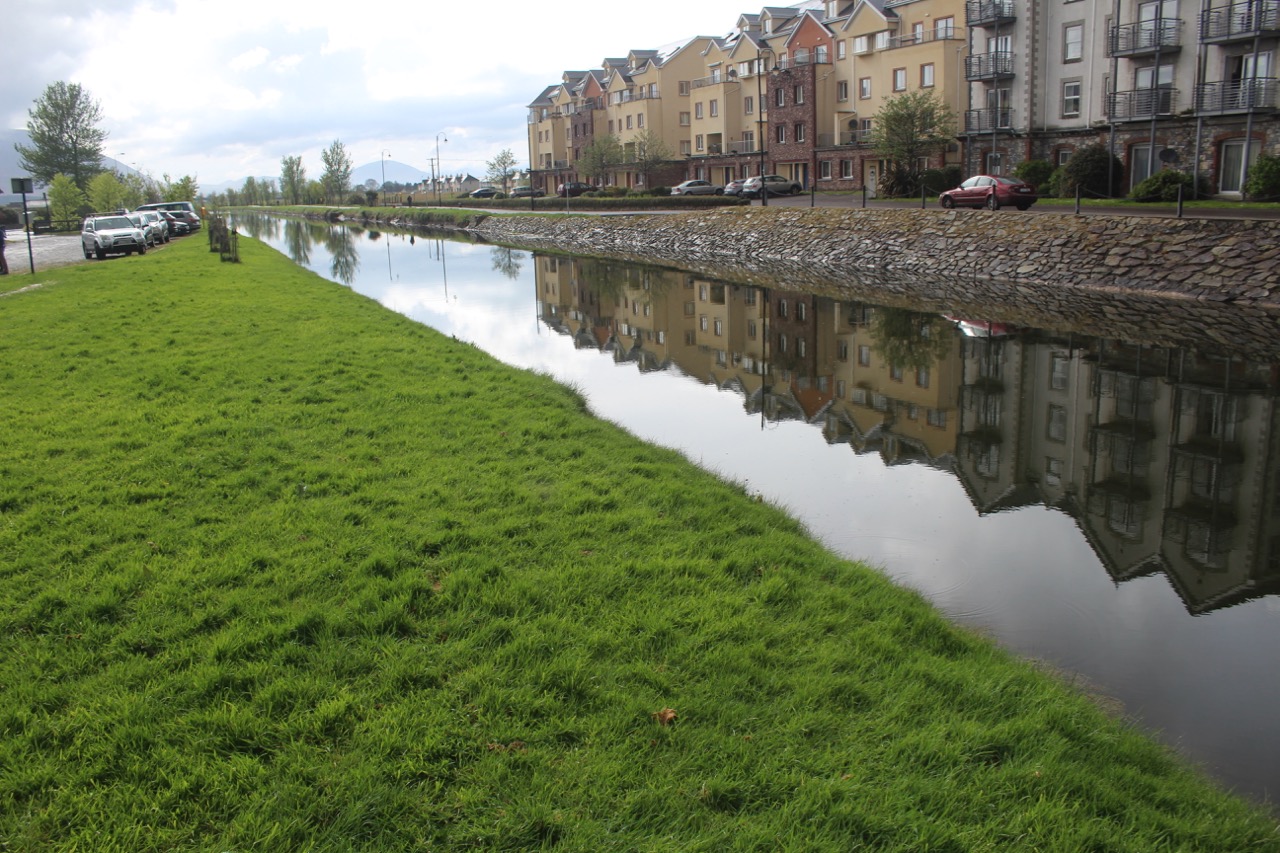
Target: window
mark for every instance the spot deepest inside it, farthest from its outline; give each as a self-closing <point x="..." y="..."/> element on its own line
<point x="846" y="168"/>
<point x="841" y="49"/>
<point x="917" y="33"/>
<point x="1056" y="428"/>
<point x="895" y="373"/>
<point x="922" y="377"/>
<point x="797" y="95"/>
<point x="749" y="106"/>
<point x="944" y="28"/>
<point x="718" y="327"/>
<point x="820" y="54"/>
<point x="702" y="322"/>
<point x="800" y="347"/>
<point x="1058" y="365"/>
<point x="1070" y="98"/>
<point x="640" y="120"/>
<point x="1053" y="471"/>
<point x="684" y="87"/>
<point x="864" y="355"/>
<point x="860" y="44"/>
<point x="842" y="90"/>
<point x="800" y="311"/>
<point x="780" y="134"/>
<point x="782" y="309"/>
<point x="685" y="148"/>
<point x="751" y="329"/>
<point x="799" y="133"/>
<point x="926" y="76"/>
<point x="1073" y="43"/>
<point x="780" y="98"/>
<point x="629" y="122"/>
<point x="824" y="170"/>
<point x="714" y="108"/>
<point x="935" y="418"/>
<point x="684" y="119"/>
<point x="864" y="88"/>
<point x="995" y="162"/>
<point x="1064" y="154"/>
<point x="882" y="40"/>
<point x="697" y="142"/>
<point x="842" y="352"/>
<point x="899" y="79"/>
<point x="697" y="110"/>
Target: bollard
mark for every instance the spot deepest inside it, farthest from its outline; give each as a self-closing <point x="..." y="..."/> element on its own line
<point x="864" y="195"/>
<point x="1179" y="201"/>
<point x="1077" y="199"/>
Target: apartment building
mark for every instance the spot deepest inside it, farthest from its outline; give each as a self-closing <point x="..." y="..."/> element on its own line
<point x="795" y="90"/>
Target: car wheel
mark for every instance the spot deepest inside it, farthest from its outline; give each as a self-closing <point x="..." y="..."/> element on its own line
<point x="142" y="249"/>
<point x="100" y="254"/>
<point x="719" y="192"/>
<point x="948" y="202"/>
<point x="796" y="189"/>
<point x="1023" y="206"/>
<point x="87" y="253"/>
<point x="993" y="203"/>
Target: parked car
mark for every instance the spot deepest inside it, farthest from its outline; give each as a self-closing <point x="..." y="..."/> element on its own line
<point x="697" y="187"/>
<point x="111" y="235"/>
<point x="734" y="187"/>
<point x="573" y="189"/>
<point x="153" y="231"/>
<point x="773" y="184"/>
<point x="528" y="192"/>
<point x="177" y="226"/>
<point x="990" y="191"/>
<point x="192" y="221"/>
<point x="484" y="192"/>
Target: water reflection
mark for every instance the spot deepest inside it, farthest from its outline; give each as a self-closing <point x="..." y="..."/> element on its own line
<point x="1075" y="494"/>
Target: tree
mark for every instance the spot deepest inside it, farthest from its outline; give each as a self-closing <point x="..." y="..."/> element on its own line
<point x="293" y="179"/>
<point x="1095" y="170"/>
<point x="65" y="136"/>
<point x="336" y="177"/>
<point x="906" y="130"/>
<point x="599" y="157"/>
<point x="66" y="200"/>
<point x="911" y="340"/>
<point x="649" y="153"/>
<point x="185" y="188"/>
<point x="106" y="193"/>
<point x="501" y="168"/>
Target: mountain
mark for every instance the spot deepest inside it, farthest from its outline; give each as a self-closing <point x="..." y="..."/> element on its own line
<point x="400" y="173"/>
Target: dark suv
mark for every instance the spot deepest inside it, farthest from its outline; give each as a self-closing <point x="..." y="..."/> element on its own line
<point x="573" y="189"/>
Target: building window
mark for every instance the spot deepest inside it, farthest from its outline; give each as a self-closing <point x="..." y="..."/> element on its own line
<point x="799" y="130"/>
<point x="895" y="373"/>
<point x="846" y="168"/>
<point x="882" y="40"/>
<point x="686" y="148"/>
<point x="864" y="88"/>
<point x="935" y="418"/>
<point x="820" y="54"/>
<point x="751" y="329"/>
<point x="782" y="343"/>
<point x="640" y="120"/>
<point x="926" y="76"/>
<point x="899" y="79"/>
<point x="842" y="90"/>
<point x="629" y="122"/>
<point x="1056" y="429"/>
<point x="684" y="87"/>
<point x="995" y="163"/>
<point x="860" y="44"/>
<point x="718" y="328"/>
<point x="781" y="133"/>
<point x="800" y="309"/>
<point x="1064" y="154"/>
<point x="944" y="28"/>
<point x="841" y="49"/>
<point x="697" y="142"/>
<point x="749" y="106"/>
<point x="697" y="110"/>
<point x="800" y="347"/>
<point x="684" y="119"/>
<point x="864" y="355"/>
<point x="1058" y="365"/>
<point x="922" y="377"/>
<point x="714" y="107"/>
<point x="1073" y="43"/>
<point x="1052" y="471"/>
<point x="780" y="98"/>
<point x="824" y="170"/>
<point x="797" y="95"/>
<point x="1070" y="98"/>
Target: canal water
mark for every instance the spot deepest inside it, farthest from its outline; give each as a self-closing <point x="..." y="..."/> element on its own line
<point x="1110" y="507"/>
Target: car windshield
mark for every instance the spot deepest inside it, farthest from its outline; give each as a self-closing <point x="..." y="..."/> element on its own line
<point x="114" y="222"/>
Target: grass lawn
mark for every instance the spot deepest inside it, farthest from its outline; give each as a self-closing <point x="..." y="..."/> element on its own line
<point x="282" y="570"/>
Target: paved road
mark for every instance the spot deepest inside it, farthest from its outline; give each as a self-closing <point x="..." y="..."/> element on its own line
<point x="48" y="251"/>
<point x="855" y="200"/>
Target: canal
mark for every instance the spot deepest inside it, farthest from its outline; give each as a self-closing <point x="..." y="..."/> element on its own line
<point x="1108" y="507"/>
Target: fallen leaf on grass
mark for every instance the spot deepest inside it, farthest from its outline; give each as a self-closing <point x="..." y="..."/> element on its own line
<point x="665" y="717"/>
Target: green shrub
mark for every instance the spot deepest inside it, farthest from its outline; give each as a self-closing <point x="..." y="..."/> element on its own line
<point x="8" y="217"/>
<point x="613" y="192"/>
<point x="1263" y="183"/>
<point x="1095" y="170"/>
<point x="1053" y="186"/>
<point x="938" y="180"/>
<point x="1034" y="172"/>
<point x="658" y="191"/>
<point x="1163" y="186"/>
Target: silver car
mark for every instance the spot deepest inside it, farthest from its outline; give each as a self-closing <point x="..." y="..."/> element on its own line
<point x="154" y="229"/>
<point x="111" y="235"/>
<point x="697" y="187"/>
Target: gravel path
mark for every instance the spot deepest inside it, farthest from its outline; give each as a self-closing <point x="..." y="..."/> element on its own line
<point x="48" y="251"/>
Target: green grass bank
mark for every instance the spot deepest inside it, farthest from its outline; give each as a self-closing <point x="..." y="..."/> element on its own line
<point x="283" y="570"/>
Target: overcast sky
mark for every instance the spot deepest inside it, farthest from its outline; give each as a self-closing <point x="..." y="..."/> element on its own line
<point x="221" y="91"/>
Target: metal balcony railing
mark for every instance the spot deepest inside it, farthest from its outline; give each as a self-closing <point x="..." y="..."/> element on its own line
<point x="922" y="38"/>
<point x="989" y="66"/>
<point x="1232" y="96"/>
<point x="1145" y="37"/>
<point x="844" y="137"/>
<point x="1142" y="103"/>
<point x="1240" y="21"/>
<point x="712" y="80"/>
<point x="985" y="13"/>
<point x="986" y="121"/>
<point x="740" y="146"/>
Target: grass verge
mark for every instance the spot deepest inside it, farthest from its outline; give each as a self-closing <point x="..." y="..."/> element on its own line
<point x="283" y="570"/>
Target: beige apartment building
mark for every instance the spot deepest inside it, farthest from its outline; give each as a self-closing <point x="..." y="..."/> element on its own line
<point x="795" y="90"/>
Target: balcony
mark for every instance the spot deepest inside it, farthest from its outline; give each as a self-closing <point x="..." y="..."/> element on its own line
<point x="989" y="13"/>
<point x="987" y="121"/>
<point x="989" y="66"/>
<point x="1145" y="38"/>
<point x="1240" y="22"/>
<point x="703" y="82"/>
<point x="1258" y="94"/>
<point x="923" y="38"/>
<point x="844" y="137"/>
<point x="1141" y="104"/>
<point x="740" y="146"/>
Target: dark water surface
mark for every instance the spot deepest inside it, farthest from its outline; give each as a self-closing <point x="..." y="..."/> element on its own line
<point x="1109" y="506"/>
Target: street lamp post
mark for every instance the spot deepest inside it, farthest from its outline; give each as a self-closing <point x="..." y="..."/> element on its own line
<point x="760" y="123"/>
<point x="438" y="164"/>
<point x="383" y="159"/>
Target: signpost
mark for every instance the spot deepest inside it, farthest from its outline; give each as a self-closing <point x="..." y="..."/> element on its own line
<point x="24" y="186"/>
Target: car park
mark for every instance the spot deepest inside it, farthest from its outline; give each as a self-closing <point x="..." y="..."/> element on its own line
<point x="192" y="221"/>
<point x="177" y="226"/>
<point x="991" y="192"/>
<point x="153" y="230"/>
<point x="773" y="184"/>
<point x="573" y="189"/>
<point x="734" y="187"/>
<point x="115" y="234"/>
<point x="697" y="187"/>
<point x="528" y="192"/>
<point x="484" y="192"/>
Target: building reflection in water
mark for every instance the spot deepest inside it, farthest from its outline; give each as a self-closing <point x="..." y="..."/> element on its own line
<point x="1166" y="458"/>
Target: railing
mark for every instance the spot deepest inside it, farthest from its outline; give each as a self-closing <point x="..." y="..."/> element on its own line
<point x="740" y="146"/>
<point x="786" y="62"/>
<point x="1144" y="37"/>
<point x="988" y="66"/>
<point x="1258" y="93"/>
<point x="844" y="137"/>
<point x="1142" y="103"/>
<point x="922" y="38"/>
<point x="712" y="80"/>
<point x="1241" y="21"/>
<point x="979" y="13"/>
<point x="985" y="121"/>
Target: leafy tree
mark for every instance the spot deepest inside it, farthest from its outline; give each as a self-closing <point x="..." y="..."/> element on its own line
<point x="1096" y="171"/>
<point x="66" y="200"/>
<point x="649" y="152"/>
<point x="910" y="339"/>
<point x="293" y="179"/>
<point x="249" y="193"/>
<point x="336" y="177"/>
<point x="65" y="136"/>
<point x="599" y="157"/>
<point x="314" y="193"/>
<point x="106" y="193"/>
<point x="1263" y="182"/>
<point x="501" y="169"/>
<point x="185" y="188"/>
<point x="907" y="129"/>
<point x="1163" y="186"/>
<point x="1034" y="172"/>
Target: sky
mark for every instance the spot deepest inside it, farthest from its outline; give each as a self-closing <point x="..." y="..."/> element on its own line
<point x="221" y="91"/>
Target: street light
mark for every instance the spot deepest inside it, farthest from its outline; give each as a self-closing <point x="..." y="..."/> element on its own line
<point x="383" y="160"/>
<point x="439" y="165"/>
<point x="762" y="127"/>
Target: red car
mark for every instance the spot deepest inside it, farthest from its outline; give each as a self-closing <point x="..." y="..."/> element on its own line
<point x="990" y="191"/>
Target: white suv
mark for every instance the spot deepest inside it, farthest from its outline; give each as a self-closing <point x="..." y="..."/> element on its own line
<point x="111" y="235"/>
